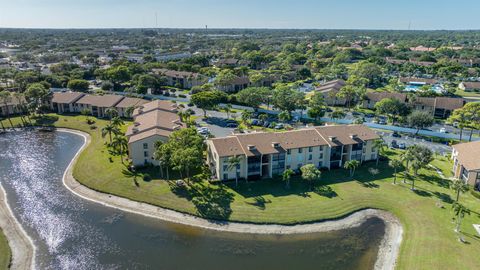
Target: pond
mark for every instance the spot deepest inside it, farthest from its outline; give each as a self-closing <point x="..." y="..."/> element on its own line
<point x="72" y="233"/>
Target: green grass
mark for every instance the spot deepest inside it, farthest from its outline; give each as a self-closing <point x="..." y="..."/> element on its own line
<point x="429" y="241"/>
<point x="5" y="254"/>
<point x="468" y="94"/>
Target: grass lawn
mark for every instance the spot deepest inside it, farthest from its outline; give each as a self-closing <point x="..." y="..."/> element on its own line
<point x="468" y="94"/>
<point x="5" y="254"/>
<point x="429" y="240"/>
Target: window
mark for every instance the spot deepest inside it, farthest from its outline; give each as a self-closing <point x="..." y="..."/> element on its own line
<point x="225" y="176"/>
<point x="310" y="157"/>
<point x="321" y="156"/>
<point x="320" y="164"/>
<point x="145" y="162"/>
<point x="300" y="150"/>
<point x="225" y="167"/>
<point x="289" y="151"/>
<point x="310" y="149"/>
<point x="145" y="146"/>
<point x="145" y="153"/>
<point x="288" y="167"/>
<point x="238" y="166"/>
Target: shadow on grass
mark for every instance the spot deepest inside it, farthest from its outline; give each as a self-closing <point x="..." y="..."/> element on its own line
<point x="444" y="197"/>
<point x="259" y="202"/>
<point x="212" y="202"/>
<point x="45" y="120"/>
<point x="325" y="191"/>
<point x="368" y="184"/>
<point x="422" y="193"/>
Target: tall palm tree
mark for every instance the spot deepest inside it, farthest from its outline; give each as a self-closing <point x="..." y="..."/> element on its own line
<point x="380" y="146"/>
<point x="129" y="111"/>
<point x="111" y="113"/>
<point x="163" y="153"/>
<point x="407" y="158"/>
<point x="286" y="175"/>
<point x="228" y="110"/>
<point x="351" y="165"/>
<point x="395" y="164"/>
<point x="460" y="187"/>
<point x="246" y="115"/>
<point x="120" y="143"/>
<point x="109" y="129"/>
<point x="117" y="122"/>
<point x="234" y="163"/>
<point x="460" y="211"/>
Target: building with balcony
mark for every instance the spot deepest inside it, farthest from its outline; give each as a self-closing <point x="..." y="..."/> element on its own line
<point x="264" y="155"/>
<point x="466" y="162"/>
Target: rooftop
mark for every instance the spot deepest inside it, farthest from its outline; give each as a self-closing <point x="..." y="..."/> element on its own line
<point x="468" y="154"/>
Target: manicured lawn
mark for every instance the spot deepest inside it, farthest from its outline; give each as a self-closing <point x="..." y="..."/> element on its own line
<point x="468" y="94"/>
<point x="5" y="254"/>
<point x="429" y="240"/>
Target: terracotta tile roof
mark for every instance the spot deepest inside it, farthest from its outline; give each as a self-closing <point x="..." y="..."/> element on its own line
<point x="105" y="101"/>
<point x="377" y="96"/>
<point x="426" y="101"/>
<point x="277" y="142"/>
<point x="148" y="133"/>
<point x="176" y="74"/>
<point x="66" y="97"/>
<point x="131" y="102"/>
<point x="163" y="105"/>
<point x="471" y="85"/>
<point x="335" y="85"/>
<point x="468" y="155"/>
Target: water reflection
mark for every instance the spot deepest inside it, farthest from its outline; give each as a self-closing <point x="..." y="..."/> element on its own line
<point x="72" y="233"/>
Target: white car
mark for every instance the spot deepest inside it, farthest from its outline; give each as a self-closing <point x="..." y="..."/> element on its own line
<point x="443" y="130"/>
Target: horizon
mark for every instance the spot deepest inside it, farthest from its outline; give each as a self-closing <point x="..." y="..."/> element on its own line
<point x="249" y="14"/>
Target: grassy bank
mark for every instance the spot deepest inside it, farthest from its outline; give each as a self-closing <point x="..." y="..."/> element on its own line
<point x="429" y="241"/>
<point x="5" y="254"/>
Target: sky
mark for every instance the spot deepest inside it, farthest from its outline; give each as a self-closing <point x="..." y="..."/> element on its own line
<point x="284" y="14"/>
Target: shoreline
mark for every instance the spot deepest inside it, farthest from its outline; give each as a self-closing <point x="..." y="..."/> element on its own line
<point x="387" y="253"/>
<point x="21" y="245"/>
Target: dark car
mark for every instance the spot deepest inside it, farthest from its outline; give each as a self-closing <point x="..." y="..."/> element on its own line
<point x="396" y="135"/>
<point x="266" y="124"/>
<point x="394" y="144"/>
<point x="356" y="113"/>
<point x="232" y="125"/>
<point x="369" y="115"/>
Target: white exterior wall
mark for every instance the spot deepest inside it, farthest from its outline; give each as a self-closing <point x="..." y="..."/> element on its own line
<point x="137" y="152"/>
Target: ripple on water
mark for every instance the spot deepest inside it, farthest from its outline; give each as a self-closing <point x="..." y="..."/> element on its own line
<point x="50" y="212"/>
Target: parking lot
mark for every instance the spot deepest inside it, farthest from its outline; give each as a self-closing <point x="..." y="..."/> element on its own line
<point x="409" y="141"/>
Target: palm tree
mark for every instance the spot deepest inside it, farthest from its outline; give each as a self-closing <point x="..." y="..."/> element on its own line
<point x="228" y="110"/>
<point x="234" y="163"/>
<point x="120" y="143"/>
<point x="111" y="113"/>
<point x="132" y="173"/>
<point x="246" y="115"/>
<point x="263" y="117"/>
<point x="129" y="111"/>
<point x="406" y="157"/>
<point x="380" y="146"/>
<point x="310" y="173"/>
<point x="395" y="164"/>
<point x="338" y="114"/>
<point x="284" y="116"/>
<point x="163" y="153"/>
<point x="351" y="165"/>
<point x="109" y="129"/>
<point x="460" y="187"/>
<point x="286" y="175"/>
<point x="460" y="212"/>
<point x="117" y="122"/>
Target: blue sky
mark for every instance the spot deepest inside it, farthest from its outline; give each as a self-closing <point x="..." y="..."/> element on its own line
<point x="319" y="14"/>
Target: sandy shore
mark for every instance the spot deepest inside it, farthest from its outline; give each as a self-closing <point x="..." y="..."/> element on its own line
<point x="386" y="258"/>
<point x="23" y="249"/>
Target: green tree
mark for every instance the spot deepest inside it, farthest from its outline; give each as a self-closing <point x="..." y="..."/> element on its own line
<point x="37" y="95"/>
<point x="421" y="157"/>
<point x="420" y="120"/>
<point x="392" y="107"/>
<point x="351" y="165"/>
<point x="459" y="211"/>
<point x="78" y="85"/>
<point x="459" y="187"/>
<point x="338" y="114"/>
<point x="111" y="113"/>
<point x="234" y="164"/>
<point x="225" y="77"/>
<point x="286" y="176"/>
<point x="246" y="116"/>
<point x="120" y="144"/>
<point x="146" y="81"/>
<point x="109" y="129"/>
<point x="207" y="100"/>
<point x="380" y="145"/>
<point x="253" y="96"/>
<point x="5" y="99"/>
<point x="317" y="106"/>
<point x="163" y="153"/>
<point x="284" y="116"/>
<point x="287" y="99"/>
<point x="186" y="150"/>
<point x="395" y="164"/>
<point x="310" y="173"/>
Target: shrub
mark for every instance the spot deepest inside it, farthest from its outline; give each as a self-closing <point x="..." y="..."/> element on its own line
<point x="147" y="177"/>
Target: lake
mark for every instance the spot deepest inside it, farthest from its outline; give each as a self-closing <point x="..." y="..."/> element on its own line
<point x="72" y="233"/>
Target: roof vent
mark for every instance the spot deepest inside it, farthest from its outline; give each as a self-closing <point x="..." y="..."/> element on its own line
<point x="136" y="124"/>
<point x="135" y="130"/>
<point x="275" y="144"/>
<point x="332" y="138"/>
<point x="251" y="147"/>
<point x="353" y="136"/>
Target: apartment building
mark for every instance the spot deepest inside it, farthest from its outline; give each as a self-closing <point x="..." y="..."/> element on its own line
<point x="153" y="122"/>
<point x="371" y="98"/>
<point x="182" y="79"/>
<point x="97" y="105"/>
<point x="466" y="162"/>
<point x="264" y="155"/>
<point x="64" y="102"/>
<point x="329" y="92"/>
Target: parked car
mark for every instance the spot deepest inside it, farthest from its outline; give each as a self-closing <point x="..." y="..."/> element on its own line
<point x="356" y="113"/>
<point x="394" y="144"/>
<point x="443" y="130"/>
<point x="402" y="146"/>
<point x="232" y="125"/>
<point x="369" y="115"/>
<point x="396" y="134"/>
<point x="382" y="122"/>
<point x="279" y="126"/>
<point x="255" y="122"/>
<point x="266" y="124"/>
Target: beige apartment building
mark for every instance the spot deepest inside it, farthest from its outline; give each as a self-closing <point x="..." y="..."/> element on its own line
<point x="264" y="155"/>
<point x="466" y="162"/>
<point x="153" y="122"/>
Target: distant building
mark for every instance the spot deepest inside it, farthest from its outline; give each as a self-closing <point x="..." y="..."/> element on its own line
<point x="422" y="49"/>
<point x="11" y="106"/>
<point x="329" y="92"/>
<point x="466" y="162"/>
<point x="64" y="102"/>
<point x="238" y="84"/>
<point x="182" y="79"/>
<point x="153" y="122"/>
<point x="469" y="86"/>
<point x="97" y="105"/>
<point x="441" y="107"/>
<point x="371" y="98"/>
<point x="264" y="155"/>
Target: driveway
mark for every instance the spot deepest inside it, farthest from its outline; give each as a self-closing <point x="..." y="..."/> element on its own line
<point x="442" y="149"/>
